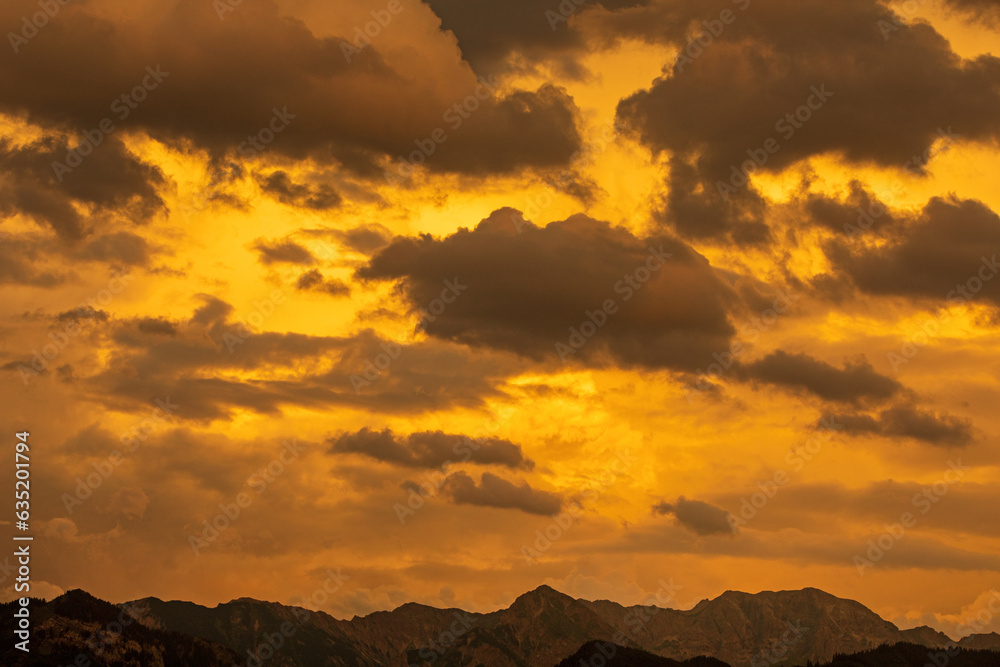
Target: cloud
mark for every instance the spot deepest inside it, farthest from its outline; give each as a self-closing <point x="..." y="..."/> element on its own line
<point x="277" y="252"/>
<point x="111" y="182"/>
<point x="861" y="211"/>
<point x="430" y="449"/>
<point x="985" y="10"/>
<point x="526" y="290"/>
<point x="221" y="83"/>
<point x="906" y="421"/>
<point x="313" y="280"/>
<point x="489" y="33"/>
<point x="93" y="440"/>
<point x="698" y="212"/>
<point x="279" y="185"/>
<point x="130" y="501"/>
<point x="157" y="325"/>
<point x="697" y="516"/>
<point x="494" y="491"/>
<point x="947" y="253"/>
<point x="122" y="248"/>
<point x="364" y="238"/>
<point x="61" y="529"/>
<point x="22" y="258"/>
<point x="200" y="360"/>
<point x="857" y="381"/>
<point x="883" y="101"/>
<point x="810" y="506"/>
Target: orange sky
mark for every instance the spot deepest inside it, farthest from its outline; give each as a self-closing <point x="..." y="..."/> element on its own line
<point x="258" y="287"/>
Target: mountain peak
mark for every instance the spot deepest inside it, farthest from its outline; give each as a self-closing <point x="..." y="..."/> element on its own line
<point x="543" y="593"/>
<point x="548" y="602"/>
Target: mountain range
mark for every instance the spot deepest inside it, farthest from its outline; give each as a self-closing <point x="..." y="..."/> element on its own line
<point x="542" y="628"/>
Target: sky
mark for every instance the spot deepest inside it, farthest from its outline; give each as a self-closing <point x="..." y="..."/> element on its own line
<point x="452" y="299"/>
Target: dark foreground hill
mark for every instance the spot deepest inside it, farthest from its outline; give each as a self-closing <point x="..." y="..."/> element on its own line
<point x="608" y="654"/>
<point x="542" y="628"/>
<point x="911" y="655"/>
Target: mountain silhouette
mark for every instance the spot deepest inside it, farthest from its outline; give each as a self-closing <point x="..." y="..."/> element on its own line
<point x="542" y="628"/>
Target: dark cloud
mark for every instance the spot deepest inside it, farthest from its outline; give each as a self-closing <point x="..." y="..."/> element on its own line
<point x="313" y="280"/>
<point x="92" y="441"/>
<point x="856" y="381"/>
<point x="947" y="253"/>
<point x="259" y="73"/>
<point x="430" y="449"/>
<point x="697" y="516"/>
<point x="121" y="248"/>
<point x="318" y="198"/>
<point x="698" y="212"/>
<point x="493" y="491"/>
<point x="110" y="182"/>
<point x="213" y="311"/>
<point x="130" y="502"/>
<point x="21" y="260"/>
<point x="986" y="10"/>
<point x="365" y="238"/>
<point x="83" y="313"/>
<point x="488" y="33"/>
<point x="889" y="99"/>
<point x="861" y="212"/>
<point x="277" y="252"/>
<point x="524" y="290"/>
<point x="157" y="325"/>
<point x="906" y="421"/>
<point x="197" y="366"/>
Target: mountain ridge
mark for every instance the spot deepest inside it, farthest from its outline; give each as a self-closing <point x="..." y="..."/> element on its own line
<point x="541" y="628"/>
